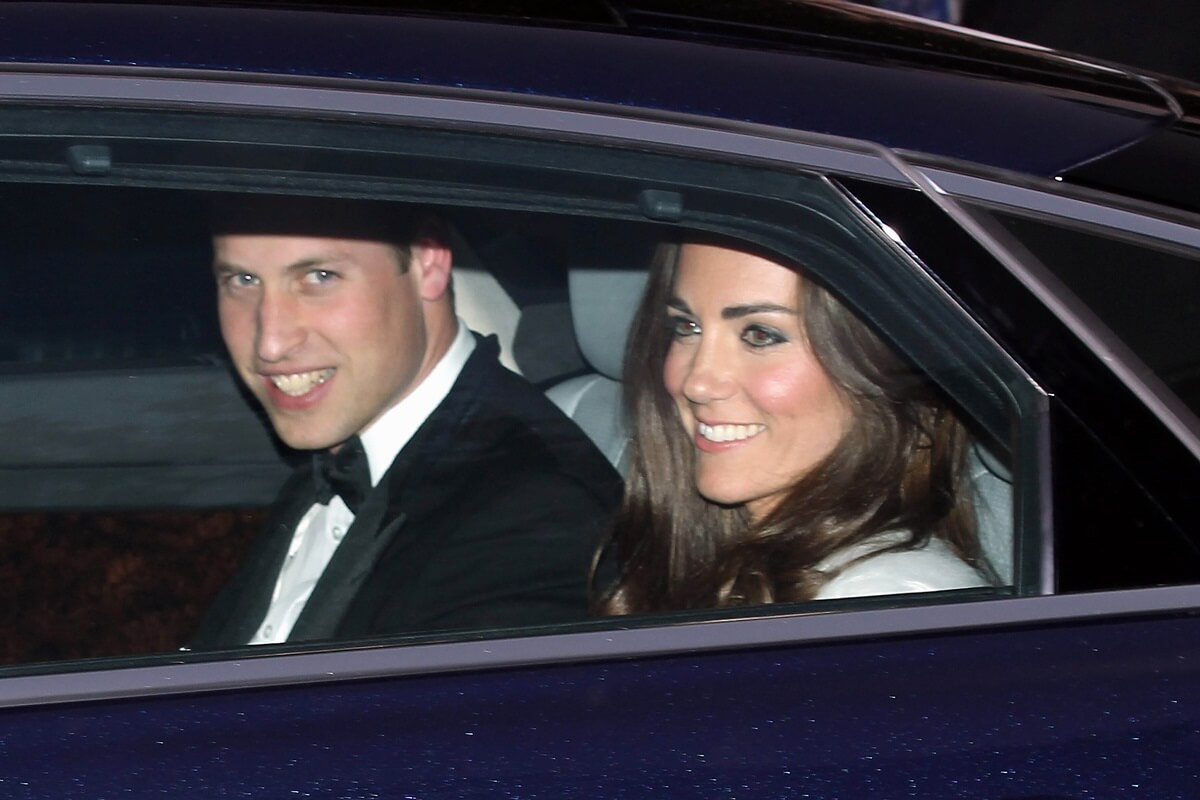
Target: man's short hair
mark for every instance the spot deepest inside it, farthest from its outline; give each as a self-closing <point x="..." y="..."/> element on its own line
<point x="396" y="224"/>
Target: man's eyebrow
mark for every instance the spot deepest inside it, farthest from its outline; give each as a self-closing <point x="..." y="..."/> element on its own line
<point x="735" y="312"/>
<point x="224" y="267"/>
<point x="313" y="261"/>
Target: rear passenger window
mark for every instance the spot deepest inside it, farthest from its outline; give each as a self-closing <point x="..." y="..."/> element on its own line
<point x="1133" y="300"/>
<point x="1148" y="294"/>
<point x="140" y="469"/>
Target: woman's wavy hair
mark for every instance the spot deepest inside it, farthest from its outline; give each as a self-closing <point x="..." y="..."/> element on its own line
<point x="901" y="466"/>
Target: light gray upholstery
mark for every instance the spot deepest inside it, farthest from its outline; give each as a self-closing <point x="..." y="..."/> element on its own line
<point x="992" y="485"/>
<point x="487" y="308"/>
<point x="594" y="402"/>
<point x="603" y="302"/>
<point x="480" y="300"/>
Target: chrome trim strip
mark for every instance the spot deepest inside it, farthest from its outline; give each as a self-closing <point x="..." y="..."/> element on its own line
<point x="1028" y="199"/>
<point x="673" y="639"/>
<point x="1047" y="575"/>
<point x="1153" y="85"/>
<point x="698" y="133"/>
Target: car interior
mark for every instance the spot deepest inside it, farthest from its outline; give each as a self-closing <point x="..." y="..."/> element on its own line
<point x="122" y="413"/>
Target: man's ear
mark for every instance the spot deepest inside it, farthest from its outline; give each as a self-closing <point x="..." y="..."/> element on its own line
<point x="431" y="260"/>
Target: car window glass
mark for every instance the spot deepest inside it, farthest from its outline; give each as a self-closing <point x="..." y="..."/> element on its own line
<point x="1105" y="442"/>
<point x="1149" y="295"/>
<point x="133" y="443"/>
<point x="89" y="584"/>
<point x="138" y="291"/>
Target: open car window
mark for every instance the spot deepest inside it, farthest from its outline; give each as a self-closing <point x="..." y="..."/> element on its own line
<point x="137" y="470"/>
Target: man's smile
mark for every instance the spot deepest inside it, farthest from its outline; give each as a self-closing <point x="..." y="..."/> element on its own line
<point x="299" y="384"/>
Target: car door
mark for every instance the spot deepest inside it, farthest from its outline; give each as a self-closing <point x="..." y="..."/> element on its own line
<point x="1074" y="677"/>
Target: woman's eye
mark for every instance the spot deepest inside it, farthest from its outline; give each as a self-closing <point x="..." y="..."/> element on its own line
<point x="682" y="326"/>
<point x="758" y="336"/>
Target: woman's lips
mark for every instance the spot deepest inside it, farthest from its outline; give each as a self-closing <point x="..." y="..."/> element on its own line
<point x="715" y="438"/>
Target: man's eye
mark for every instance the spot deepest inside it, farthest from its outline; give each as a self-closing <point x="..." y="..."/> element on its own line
<point x="759" y="336"/>
<point x="682" y="326"/>
<point x="318" y="276"/>
<point x="240" y="280"/>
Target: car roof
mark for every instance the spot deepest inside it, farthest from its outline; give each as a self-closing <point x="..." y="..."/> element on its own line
<point x="819" y="66"/>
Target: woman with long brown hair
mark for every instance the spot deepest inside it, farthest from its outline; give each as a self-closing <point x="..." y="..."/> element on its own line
<point x="781" y="451"/>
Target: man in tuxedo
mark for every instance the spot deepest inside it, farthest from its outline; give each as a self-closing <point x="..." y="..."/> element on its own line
<point x="443" y="491"/>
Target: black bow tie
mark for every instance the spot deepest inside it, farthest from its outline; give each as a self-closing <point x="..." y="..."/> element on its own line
<point x="345" y="473"/>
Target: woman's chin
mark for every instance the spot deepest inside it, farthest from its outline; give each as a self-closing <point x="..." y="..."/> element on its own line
<point x="722" y="495"/>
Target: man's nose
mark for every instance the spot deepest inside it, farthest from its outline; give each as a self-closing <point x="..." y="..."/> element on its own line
<point x="709" y="375"/>
<point x="279" y="328"/>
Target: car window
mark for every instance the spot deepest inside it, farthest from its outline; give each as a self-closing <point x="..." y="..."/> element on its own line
<point x="133" y="443"/>
<point x="138" y="288"/>
<point x="1120" y="457"/>
<point x="1147" y="294"/>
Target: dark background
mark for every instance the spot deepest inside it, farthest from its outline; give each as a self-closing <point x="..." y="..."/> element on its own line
<point x="87" y="584"/>
<point x="1152" y="35"/>
<point x="1156" y="35"/>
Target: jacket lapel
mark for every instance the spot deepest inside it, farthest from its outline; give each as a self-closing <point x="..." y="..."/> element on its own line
<point x="365" y="542"/>
<point x="402" y="495"/>
<point x="241" y="606"/>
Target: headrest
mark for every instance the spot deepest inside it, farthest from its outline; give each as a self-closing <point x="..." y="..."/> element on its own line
<point x="603" y="302"/>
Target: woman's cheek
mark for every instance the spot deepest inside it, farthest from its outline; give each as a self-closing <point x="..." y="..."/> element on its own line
<point x="780" y="388"/>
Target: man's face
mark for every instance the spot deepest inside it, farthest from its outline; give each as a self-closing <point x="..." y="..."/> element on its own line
<point x="327" y="333"/>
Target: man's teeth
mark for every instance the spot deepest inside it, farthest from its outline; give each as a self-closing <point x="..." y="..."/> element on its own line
<point x="302" y="382"/>
<point x="729" y="433"/>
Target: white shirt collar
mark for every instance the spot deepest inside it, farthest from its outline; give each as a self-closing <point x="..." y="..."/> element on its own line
<point x="386" y="436"/>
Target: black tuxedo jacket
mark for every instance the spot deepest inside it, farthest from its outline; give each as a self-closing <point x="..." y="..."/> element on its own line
<point x="488" y="517"/>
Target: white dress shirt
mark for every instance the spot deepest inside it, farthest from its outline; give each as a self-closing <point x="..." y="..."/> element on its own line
<point x="323" y="527"/>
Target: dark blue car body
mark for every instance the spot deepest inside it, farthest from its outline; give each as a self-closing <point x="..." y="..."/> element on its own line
<point x="1056" y="710"/>
<point x="1082" y="682"/>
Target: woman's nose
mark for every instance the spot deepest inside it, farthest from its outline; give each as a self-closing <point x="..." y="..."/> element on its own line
<point x="709" y="376"/>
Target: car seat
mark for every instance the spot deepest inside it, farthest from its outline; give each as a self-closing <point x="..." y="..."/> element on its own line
<point x="603" y="302"/>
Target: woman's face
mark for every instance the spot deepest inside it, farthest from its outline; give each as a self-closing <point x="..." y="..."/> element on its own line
<point x="757" y="405"/>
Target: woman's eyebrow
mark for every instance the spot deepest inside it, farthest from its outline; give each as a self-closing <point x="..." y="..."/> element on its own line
<point x="734" y="312"/>
<point x="678" y="304"/>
